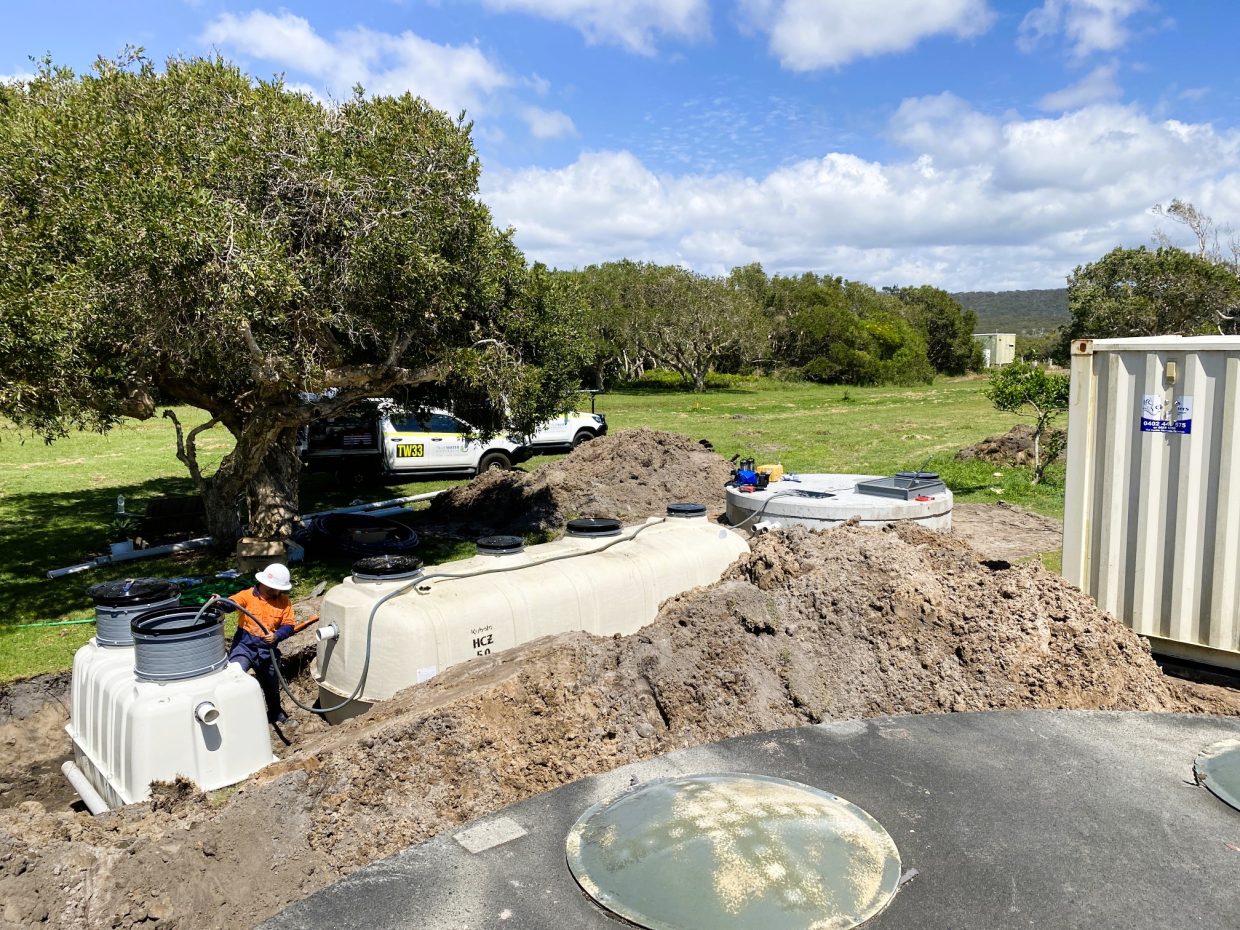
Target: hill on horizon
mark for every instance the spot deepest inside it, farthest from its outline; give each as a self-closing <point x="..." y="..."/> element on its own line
<point x="1026" y="313"/>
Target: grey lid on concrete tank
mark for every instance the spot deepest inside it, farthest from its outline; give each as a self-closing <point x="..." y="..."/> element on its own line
<point x="732" y="851"/>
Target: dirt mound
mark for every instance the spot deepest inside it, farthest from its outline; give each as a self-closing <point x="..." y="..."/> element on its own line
<point x="846" y="624"/>
<point x="630" y="475"/>
<point x="1015" y="447"/>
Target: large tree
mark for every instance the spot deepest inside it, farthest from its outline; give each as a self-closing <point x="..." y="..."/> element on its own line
<point x="946" y="326"/>
<point x="189" y="235"/>
<point x="1143" y="292"/>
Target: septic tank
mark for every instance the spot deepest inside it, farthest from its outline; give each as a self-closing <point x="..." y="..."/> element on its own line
<point x="167" y="705"/>
<point x="600" y="578"/>
<point x="822" y="501"/>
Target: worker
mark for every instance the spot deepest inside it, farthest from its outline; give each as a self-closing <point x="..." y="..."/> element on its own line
<point x="252" y="646"/>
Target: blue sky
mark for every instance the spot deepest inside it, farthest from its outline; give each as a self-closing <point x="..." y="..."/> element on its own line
<point x="971" y="144"/>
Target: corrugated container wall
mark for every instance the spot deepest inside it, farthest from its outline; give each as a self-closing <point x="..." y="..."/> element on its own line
<point x="1152" y="505"/>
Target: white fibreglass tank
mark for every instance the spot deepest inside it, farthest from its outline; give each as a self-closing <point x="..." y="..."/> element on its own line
<point x="607" y="587"/>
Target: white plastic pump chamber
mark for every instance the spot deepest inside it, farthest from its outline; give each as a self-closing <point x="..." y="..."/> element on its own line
<point x="823" y="501"/>
<point x="179" y="709"/>
<point x="600" y="578"/>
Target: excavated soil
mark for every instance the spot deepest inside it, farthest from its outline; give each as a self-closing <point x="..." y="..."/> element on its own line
<point x="807" y="627"/>
<point x="1005" y="531"/>
<point x="1015" y="447"/>
<point x="631" y="474"/>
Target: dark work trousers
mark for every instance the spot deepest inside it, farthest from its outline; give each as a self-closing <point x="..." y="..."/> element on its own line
<point x="250" y="652"/>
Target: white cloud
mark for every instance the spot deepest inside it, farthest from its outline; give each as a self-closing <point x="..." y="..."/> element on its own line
<point x="807" y="35"/>
<point x="632" y="24"/>
<point x="1097" y="86"/>
<point x="946" y="128"/>
<point x="547" y="124"/>
<point x="1019" y="205"/>
<point x="452" y="77"/>
<point x="1087" y="25"/>
<point x="16" y="78"/>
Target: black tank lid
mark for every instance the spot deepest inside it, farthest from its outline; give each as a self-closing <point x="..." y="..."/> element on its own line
<point x="131" y="592"/>
<point x="686" y="510"/>
<point x="387" y="567"/>
<point x="918" y="475"/>
<point x="594" y="526"/>
<point x="500" y="545"/>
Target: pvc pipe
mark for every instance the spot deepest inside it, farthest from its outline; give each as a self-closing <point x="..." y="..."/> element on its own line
<point x="86" y="791"/>
<point x="324" y="633"/>
<point x="80" y="567"/>
<point x="207" y="713"/>
<point x="376" y="505"/>
<point x="200" y="543"/>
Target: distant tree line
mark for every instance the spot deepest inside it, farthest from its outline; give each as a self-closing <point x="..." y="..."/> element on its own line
<point x="815" y="327"/>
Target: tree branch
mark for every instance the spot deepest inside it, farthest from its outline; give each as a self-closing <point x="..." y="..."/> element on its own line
<point x="187" y="447"/>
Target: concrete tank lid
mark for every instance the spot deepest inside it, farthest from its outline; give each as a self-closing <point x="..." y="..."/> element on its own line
<point x="1005" y="820"/>
<point x="834" y="497"/>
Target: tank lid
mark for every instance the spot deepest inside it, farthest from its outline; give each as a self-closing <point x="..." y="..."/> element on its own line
<point x="686" y="510"/>
<point x="918" y="475"/>
<point x="387" y="568"/>
<point x="123" y="592"/>
<point x="500" y="545"/>
<point x="590" y="527"/>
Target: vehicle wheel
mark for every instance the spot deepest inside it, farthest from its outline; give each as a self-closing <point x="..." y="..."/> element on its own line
<point x="496" y="460"/>
<point x="583" y="435"/>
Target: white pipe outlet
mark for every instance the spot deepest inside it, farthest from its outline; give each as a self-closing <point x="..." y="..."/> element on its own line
<point x="207" y="713"/>
<point x="324" y="633"/>
<point x="86" y="791"/>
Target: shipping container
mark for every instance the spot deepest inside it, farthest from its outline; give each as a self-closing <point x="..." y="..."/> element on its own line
<point x="1152" y="503"/>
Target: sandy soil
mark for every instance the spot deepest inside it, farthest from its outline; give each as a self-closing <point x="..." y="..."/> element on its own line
<point x="807" y="627"/>
<point x="630" y="474"/>
<point x="1004" y="531"/>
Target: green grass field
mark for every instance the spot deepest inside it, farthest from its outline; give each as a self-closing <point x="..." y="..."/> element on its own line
<point x="56" y="501"/>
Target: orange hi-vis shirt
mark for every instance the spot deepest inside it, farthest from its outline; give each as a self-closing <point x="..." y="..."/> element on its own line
<point x="273" y="616"/>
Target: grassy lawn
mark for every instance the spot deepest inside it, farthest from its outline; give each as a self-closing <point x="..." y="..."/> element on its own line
<point x="55" y="501"/>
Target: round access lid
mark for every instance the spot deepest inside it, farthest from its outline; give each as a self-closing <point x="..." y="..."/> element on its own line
<point x="919" y="475"/>
<point x="1218" y="768"/>
<point x="176" y="621"/>
<point x="126" y="592"/>
<point x="594" y="526"/>
<point x="387" y="567"/>
<point x="686" y="510"/>
<point x="500" y="545"/>
<point x="725" y="852"/>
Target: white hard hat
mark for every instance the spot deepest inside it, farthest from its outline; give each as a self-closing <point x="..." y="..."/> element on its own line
<point x="275" y="576"/>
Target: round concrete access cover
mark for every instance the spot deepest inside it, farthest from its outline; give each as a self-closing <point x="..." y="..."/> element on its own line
<point x="733" y="851"/>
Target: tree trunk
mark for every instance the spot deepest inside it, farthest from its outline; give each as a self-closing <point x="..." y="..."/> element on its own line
<point x="699" y="381"/>
<point x="221" y="499"/>
<point x="273" y="491"/>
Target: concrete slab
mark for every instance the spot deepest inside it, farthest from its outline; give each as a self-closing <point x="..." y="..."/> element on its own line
<point x="1010" y="819"/>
